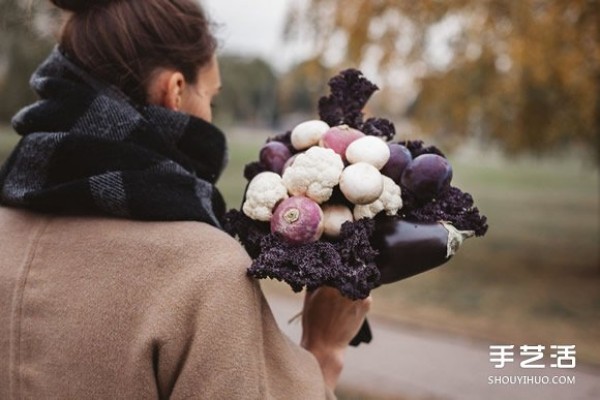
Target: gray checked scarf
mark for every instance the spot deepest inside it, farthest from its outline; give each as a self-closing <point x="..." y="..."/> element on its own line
<point x="86" y="149"/>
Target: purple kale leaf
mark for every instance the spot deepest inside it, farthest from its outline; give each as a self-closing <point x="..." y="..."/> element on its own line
<point x="248" y="231"/>
<point x="417" y="147"/>
<point x="379" y="127"/>
<point x="452" y="205"/>
<point x="346" y="264"/>
<point x="254" y="168"/>
<point x="350" y="91"/>
<point x="310" y="265"/>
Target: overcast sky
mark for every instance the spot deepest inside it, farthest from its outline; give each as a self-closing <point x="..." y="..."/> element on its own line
<point x="254" y="28"/>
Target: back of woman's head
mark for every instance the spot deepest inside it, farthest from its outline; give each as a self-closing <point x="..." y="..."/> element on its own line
<point x="122" y="42"/>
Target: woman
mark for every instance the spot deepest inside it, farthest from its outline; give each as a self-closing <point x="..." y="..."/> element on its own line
<point x="115" y="279"/>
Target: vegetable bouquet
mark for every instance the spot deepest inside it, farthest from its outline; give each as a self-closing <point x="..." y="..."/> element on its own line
<point x="336" y="202"/>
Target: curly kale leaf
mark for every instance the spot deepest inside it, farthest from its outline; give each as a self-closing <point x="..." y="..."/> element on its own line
<point x="350" y="91"/>
<point x="452" y="205"/>
<point x="379" y="127"/>
<point x="254" y="168"/>
<point x="346" y="264"/>
<point x="248" y="231"/>
<point x="417" y="147"/>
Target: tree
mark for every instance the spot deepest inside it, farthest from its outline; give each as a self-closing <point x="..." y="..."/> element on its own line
<point x="521" y="73"/>
<point x="301" y="86"/>
<point x="249" y="91"/>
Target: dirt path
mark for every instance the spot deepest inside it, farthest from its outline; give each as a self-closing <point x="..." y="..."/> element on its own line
<point x="405" y="361"/>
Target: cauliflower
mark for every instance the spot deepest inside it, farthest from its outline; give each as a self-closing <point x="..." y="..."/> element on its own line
<point x="389" y="201"/>
<point x="264" y="192"/>
<point x="314" y="174"/>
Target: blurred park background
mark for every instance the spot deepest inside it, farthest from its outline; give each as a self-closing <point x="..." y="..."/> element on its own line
<point x="509" y="89"/>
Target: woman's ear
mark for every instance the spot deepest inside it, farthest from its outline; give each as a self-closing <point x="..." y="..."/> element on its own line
<point x="166" y="89"/>
<point x="175" y="86"/>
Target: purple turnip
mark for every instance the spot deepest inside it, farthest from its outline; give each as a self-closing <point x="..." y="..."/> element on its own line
<point x="400" y="157"/>
<point x="338" y="138"/>
<point x="427" y="176"/>
<point x="274" y="155"/>
<point x="298" y="220"/>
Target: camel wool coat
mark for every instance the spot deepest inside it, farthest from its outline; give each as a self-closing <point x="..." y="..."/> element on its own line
<point x="101" y="308"/>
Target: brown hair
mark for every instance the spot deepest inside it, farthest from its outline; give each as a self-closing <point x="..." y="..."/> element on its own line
<point x="122" y="42"/>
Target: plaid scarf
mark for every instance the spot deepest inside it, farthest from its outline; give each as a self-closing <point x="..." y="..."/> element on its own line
<point x="86" y="149"/>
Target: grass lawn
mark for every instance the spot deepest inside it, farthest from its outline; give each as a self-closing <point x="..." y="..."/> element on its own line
<point x="533" y="279"/>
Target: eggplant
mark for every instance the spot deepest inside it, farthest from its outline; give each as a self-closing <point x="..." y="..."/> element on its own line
<point x="409" y="248"/>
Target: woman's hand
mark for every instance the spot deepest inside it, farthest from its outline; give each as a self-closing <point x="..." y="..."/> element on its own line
<point x="329" y="322"/>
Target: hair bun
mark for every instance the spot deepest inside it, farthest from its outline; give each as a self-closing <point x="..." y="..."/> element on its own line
<point x="78" y="5"/>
